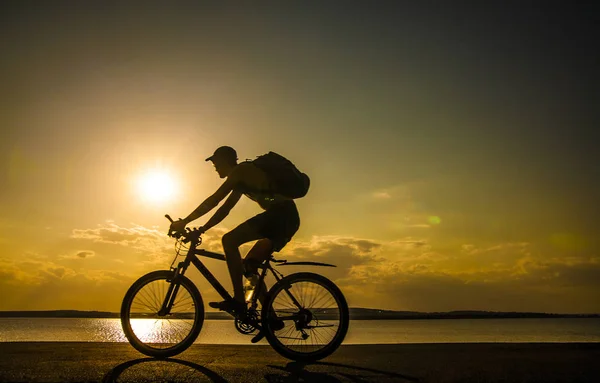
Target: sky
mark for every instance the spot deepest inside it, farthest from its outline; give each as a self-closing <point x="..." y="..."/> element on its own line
<point x="451" y="147"/>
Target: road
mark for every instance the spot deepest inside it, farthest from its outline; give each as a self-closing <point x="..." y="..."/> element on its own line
<point x="471" y="362"/>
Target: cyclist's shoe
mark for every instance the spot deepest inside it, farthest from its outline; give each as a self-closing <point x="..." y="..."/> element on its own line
<point x="276" y="324"/>
<point x="258" y="337"/>
<point x="231" y="306"/>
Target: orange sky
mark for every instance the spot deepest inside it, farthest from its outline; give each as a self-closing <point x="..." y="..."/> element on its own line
<point x="450" y="150"/>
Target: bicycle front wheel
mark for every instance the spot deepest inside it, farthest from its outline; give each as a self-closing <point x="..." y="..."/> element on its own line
<point x="311" y="317"/>
<point x="162" y="334"/>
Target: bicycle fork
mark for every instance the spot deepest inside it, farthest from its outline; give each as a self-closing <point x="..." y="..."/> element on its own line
<point x="169" y="300"/>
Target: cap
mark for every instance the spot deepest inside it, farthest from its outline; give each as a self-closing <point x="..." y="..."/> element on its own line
<point x="226" y="152"/>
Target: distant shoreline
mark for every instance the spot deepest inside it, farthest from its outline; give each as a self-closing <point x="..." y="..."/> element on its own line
<point x="355" y="314"/>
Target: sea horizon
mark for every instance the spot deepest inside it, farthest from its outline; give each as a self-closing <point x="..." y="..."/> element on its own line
<point x="356" y="313"/>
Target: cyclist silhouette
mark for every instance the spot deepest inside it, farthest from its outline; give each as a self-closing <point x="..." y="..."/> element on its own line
<point x="273" y="228"/>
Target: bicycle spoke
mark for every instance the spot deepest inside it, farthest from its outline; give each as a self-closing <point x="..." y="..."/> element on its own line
<point x="142" y="295"/>
<point x="317" y="290"/>
<point x="151" y="297"/>
<point x="149" y="308"/>
<point x="287" y="305"/>
<point x="154" y="297"/>
<point x="179" y="305"/>
<point x="184" y="302"/>
<point x="323" y="294"/>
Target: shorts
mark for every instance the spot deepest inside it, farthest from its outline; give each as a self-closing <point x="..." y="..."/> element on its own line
<point x="278" y="223"/>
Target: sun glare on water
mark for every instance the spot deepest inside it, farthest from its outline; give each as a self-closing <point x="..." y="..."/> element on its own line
<point x="156" y="186"/>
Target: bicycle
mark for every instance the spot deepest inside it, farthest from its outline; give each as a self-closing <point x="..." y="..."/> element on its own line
<point x="163" y="312"/>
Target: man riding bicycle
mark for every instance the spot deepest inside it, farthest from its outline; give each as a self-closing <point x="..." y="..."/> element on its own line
<point x="272" y="229"/>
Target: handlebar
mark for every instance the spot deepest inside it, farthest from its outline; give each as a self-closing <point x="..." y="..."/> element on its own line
<point x="188" y="235"/>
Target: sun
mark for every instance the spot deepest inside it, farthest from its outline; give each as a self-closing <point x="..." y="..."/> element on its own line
<point x="156" y="186"/>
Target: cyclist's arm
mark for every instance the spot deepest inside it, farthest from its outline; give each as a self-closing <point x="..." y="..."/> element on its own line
<point x="212" y="201"/>
<point x="223" y="211"/>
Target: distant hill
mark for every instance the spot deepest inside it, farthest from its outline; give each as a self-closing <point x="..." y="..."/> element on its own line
<point x="356" y="313"/>
<point x="363" y="313"/>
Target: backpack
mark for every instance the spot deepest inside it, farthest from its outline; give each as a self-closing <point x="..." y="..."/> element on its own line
<point x="284" y="176"/>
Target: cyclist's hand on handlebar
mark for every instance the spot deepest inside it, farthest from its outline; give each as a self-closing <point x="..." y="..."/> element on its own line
<point x="177" y="228"/>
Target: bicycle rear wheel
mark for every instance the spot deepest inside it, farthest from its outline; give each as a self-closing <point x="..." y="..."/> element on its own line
<point x="158" y="335"/>
<point x="314" y="313"/>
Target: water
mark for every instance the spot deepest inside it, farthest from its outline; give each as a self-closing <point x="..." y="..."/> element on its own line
<point x="360" y="332"/>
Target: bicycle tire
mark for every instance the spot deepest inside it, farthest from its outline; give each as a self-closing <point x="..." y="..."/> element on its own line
<point x="322" y="317"/>
<point x="163" y="344"/>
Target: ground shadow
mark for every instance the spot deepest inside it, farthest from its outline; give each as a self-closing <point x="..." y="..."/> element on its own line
<point x="161" y="370"/>
<point x="297" y="373"/>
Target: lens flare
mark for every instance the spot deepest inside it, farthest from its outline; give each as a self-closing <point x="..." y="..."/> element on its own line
<point x="434" y="220"/>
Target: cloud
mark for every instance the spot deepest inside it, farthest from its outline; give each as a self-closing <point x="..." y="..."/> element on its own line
<point x="153" y="244"/>
<point x="115" y="234"/>
<point x="348" y="252"/>
<point x="408" y="273"/>
<point x="550" y="288"/>
<point x="147" y="240"/>
<point x="518" y="247"/>
<point x="412" y="274"/>
<point x="79" y="254"/>
<point x="212" y="239"/>
<point x="59" y="272"/>
<point x="398" y="193"/>
<point x="410" y="243"/>
<point x="381" y="195"/>
<point x="10" y="272"/>
<point x="351" y="254"/>
<point x="43" y="284"/>
<point x="85" y="254"/>
<point x="345" y="251"/>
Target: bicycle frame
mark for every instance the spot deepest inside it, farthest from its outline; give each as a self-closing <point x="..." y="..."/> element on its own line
<point x="192" y="257"/>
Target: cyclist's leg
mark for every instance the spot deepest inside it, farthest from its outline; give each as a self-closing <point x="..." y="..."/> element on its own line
<point x="261" y="250"/>
<point x="278" y="224"/>
<point x="246" y="232"/>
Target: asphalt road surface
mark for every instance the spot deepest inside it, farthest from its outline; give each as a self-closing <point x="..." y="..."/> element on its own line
<point x="470" y="362"/>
